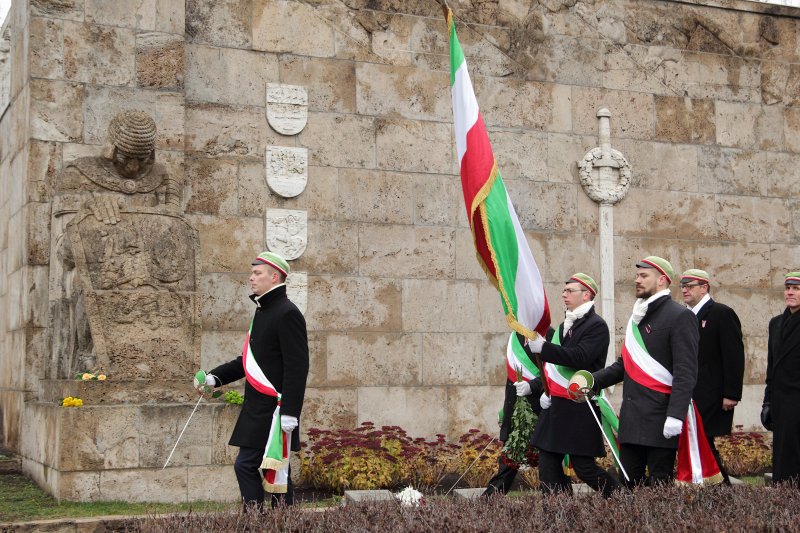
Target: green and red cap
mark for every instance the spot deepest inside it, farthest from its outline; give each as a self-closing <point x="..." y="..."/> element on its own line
<point x="274" y="260"/>
<point x="792" y="278"/>
<point x="660" y="264"/>
<point x="695" y="274"/>
<point x="585" y="280"/>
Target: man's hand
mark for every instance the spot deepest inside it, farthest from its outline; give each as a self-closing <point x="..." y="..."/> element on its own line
<point x="204" y="382"/>
<point x="581" y="384"/>
<point x="535" y="345"/>
<point x="545" y="401"/>
<point x="288" y="423"/>
<point x="728" y="404"/>
<point x="105" y="208"/>
<point x="766" y="416"/>
<point x="523" y="388"/>
<point x="672" y="427"/>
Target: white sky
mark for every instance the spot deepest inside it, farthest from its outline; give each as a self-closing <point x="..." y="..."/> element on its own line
<point x="4" y="5"/>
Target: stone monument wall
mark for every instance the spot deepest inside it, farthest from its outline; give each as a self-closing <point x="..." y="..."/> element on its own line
<point x="323" y="129"/>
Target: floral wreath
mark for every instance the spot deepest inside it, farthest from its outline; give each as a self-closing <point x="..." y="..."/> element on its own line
<point x="598" y="192"/>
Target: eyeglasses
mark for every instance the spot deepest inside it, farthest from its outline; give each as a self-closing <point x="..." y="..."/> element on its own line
<point x="690" y="285"/>
<point x="573" y="290"/>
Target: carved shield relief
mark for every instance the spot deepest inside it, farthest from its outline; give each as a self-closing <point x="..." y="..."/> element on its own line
<point x="287" y="232"/>
<point x="287" y="108"/>
<point x="287" y="170"/>
<point x="138" y="285"/>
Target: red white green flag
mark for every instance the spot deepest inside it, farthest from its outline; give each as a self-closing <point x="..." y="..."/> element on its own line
<point x="499" y="240"/>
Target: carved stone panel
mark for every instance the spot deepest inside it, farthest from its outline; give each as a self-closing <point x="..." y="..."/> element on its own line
<point x="287" y="170"/>
<point x="287" y="108"/>
<point x="297" y="289"/>
<point x="137" y="285"/>
<point x="287" y="232"/>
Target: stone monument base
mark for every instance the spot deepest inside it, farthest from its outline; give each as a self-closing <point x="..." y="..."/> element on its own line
<point x="115" y="445"/>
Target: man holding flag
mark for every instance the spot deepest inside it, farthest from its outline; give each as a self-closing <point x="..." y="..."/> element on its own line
<point x="565" y="427"/>
<point x="275" y="362"/>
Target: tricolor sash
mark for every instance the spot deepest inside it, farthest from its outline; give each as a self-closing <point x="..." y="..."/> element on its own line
<point x="517" y="357"/>
<point x="557" y="376"/>
<point x="696" y="463"/>
<point x="276" y="454"/>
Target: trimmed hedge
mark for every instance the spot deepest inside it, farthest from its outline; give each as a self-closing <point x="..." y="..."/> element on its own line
<point x="718" y="508"/>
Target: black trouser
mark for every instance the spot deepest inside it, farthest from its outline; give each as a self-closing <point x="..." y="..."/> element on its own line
<point x="250" y="480"/>
<point x="659" y="462"/>
<point x="715" y="452"/>
<point x="552" y="478"/>
<point x="502" y="480"/>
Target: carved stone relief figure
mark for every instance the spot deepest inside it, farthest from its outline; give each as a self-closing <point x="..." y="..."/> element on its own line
<point x="287" y="232"/>
<point x="122" y="292"/>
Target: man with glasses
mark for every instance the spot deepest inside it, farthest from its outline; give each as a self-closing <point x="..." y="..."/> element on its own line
<point x="780" y="413"/>
<point x="565" y="427"/>
<point x="720" y="367"/>
<point x="658" y="368"/>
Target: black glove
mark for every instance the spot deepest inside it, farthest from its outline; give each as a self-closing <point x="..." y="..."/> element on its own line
<point x="766" y="416"/>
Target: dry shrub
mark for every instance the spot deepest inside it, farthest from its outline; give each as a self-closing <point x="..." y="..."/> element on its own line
<point x="426" y="463"/>
<point x="471" y="445"/>
<point x="364" y="458"/>
<point x="742" y="508"/>
<point x="530" y="475"/>
<point x="745" y="452"/>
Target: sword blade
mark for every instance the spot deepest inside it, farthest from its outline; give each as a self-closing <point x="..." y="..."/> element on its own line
<point x="616" y="457"/>
<point x="184" y="429"/>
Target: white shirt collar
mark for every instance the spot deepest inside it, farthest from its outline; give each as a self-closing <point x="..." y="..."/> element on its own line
<point x="257" y="298"/>
<point x="700" y="304"/>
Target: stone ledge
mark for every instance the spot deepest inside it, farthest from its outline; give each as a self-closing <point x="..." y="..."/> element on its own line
<point x="356" y="497"/>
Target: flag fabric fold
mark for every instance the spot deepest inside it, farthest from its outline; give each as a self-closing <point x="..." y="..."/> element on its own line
<point x="500" y="243"/>
<point x="275" y="463"/>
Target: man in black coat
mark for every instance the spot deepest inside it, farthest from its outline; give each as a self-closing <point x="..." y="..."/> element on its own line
<point x="566" y="427"/>
<point x="279" y="345"/>
<point x="780" y="413"/>
<point x="651" y="420"/>
<point x="720" y="368"/>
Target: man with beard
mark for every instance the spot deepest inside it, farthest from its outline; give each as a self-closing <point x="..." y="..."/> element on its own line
<point x="658" y="369"/>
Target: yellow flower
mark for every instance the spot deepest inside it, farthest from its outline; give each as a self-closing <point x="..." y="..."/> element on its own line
<point x="101" y="377"/>
<point x="86" y="376"/>
<point x="78" y="402"/>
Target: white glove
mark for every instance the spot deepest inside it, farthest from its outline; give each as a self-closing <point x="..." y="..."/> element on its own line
<point x="536" y="344"/>
<point x="210" y="381"/>
<point x="545" y="401"/>
<point x="288" y="423"/>
<point x="523" y="388"/>
<point x="672" y="427"/>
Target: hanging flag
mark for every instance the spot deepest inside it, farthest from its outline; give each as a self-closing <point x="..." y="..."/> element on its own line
<point x="500" y="243"/>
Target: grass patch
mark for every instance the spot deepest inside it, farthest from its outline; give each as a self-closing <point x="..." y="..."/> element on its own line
<point x="753" y="480"/>
<point x="22" y="500"/>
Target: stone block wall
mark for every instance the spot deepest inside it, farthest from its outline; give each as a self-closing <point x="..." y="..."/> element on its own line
<point x="403" y="326"/>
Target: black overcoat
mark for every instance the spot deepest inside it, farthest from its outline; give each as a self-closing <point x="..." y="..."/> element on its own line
<point x="669" y="331"/>
<point x="720" y="366"/>
<point x="569" y="427"/>
<point x="783" y="393"/>
<point x="279" y="343"/>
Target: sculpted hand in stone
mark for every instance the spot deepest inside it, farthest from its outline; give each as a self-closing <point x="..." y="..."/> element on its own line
<point x="117" y="226"/>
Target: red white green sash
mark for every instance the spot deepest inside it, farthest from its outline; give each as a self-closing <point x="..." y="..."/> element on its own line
<point x="276" y="454"/>
<point x="516" y="357"/>
<point x="696" y="463"/>
<point x="557" y="376"/>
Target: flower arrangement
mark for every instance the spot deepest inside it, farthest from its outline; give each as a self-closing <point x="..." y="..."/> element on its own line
<point x="70" y="401"/>
<point x="234" y="397"/>
<point x="517" y="449"/>
<point x="90" y="376"/>
<point x="410" y="497"/>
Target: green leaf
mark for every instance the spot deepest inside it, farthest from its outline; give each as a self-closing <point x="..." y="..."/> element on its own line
<point x="216" y="394"/>
<point x="523" y="420"/>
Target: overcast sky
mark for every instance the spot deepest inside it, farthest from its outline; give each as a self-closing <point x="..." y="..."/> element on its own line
<point x="4" y="5"/>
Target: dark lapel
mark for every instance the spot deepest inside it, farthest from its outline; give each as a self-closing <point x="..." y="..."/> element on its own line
<point x="792" y="340"/>
<point x="704" y="311"/>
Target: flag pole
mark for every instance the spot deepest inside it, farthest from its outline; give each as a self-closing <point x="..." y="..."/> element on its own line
<point x="616" y="457"/>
